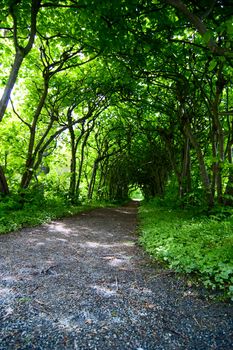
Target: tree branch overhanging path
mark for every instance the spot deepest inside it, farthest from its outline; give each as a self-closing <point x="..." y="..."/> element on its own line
<point x="200" y="26"/>
<point x="83" y="283"/>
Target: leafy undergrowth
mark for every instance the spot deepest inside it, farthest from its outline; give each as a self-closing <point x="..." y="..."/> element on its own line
<point x="190" y="242"/>
<point x="13" y="218"/>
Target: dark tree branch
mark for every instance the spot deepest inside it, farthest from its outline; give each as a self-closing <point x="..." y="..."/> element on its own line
<point x="17" y="114"/>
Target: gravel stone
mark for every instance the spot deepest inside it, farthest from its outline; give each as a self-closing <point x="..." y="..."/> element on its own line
<point x="83" y="283"/>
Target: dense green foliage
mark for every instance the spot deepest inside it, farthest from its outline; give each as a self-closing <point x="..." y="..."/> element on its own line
<point x="130" y="93"/>
<point x="190" y="242"/>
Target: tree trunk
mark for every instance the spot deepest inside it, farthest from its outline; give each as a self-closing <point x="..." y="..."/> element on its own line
<point x="73" y="158"/>
<point x="11" y="82"/>
<point x="72" y="175"/>
<point x="203" y="171"/>
<point x="4" y="189"/>
<point x="26" y="178"/>
<point x="20" y="52"/>
<point x="229" y="188"/>
<point x="81" y="163"/>
<point x="218" y="155"/>
<point x="102" y="179"/>
<point x="31" y="156"/>
<point x="185" y="176"/>
<point x="172" y="158"/>
<point x="218" y="135"/>
<point x="93" y="178"/>
<point x="214" y="165"/>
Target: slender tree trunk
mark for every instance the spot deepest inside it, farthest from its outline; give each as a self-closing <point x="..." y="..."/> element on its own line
<point x="158" y="182"/>
<point x="11" y="82"/>
<point x="73" y="164"/>
<point x="4" y="189"/>
<point x="202" y="166"/>
<point x="73" y="158"/>
<point x="73" y="174"/>
<point x="218" y="134"/>
<point x="185" y="176"/>
<point x="214" y="165"/>
<point x="187" y="167"/>
<point x="229" y="190"/>
<point x="229" y="187"/>
<point x="92" y="181"/>
<point x="218" y="155"/>
<point x="228" y="194"/>
<point x="27" y="176"/>
<point x="80" y="169"/>
<point x="103" y="180"/>
<point x="103" y="166"/>
<point x="20" y="52"/>
<point x="31" y="156"/>
<point x="81" y="163"/>
<point x="172" y="159"/>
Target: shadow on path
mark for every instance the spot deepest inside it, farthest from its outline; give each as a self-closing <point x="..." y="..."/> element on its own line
<point x="83" y="283"/>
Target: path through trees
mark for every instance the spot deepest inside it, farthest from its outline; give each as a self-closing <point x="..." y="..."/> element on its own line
<point x="83" y="283"/>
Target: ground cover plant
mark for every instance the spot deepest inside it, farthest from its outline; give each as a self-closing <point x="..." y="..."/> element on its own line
<point x="191" y="242"/>
<point x="13" y="217"/>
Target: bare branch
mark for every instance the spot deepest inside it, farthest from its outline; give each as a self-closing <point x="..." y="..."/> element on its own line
<point x="17" y="114"/>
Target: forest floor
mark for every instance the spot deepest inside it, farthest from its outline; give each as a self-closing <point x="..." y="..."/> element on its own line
<point x="84" y="283"/>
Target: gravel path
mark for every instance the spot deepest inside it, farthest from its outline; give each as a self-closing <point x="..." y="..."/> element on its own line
<point x="83" y="283"/>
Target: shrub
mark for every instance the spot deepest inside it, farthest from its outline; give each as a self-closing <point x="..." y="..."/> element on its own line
<point x="190" y="242"/>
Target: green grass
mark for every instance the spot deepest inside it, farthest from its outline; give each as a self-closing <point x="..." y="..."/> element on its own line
<point x="190" y="242"/>
<point x="13" y="218"/>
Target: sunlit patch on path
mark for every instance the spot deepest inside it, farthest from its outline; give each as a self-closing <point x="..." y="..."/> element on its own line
<point x="84" y="283"/>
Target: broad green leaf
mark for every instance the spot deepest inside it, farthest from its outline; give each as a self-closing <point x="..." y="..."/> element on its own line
<point x="212" y="65"/>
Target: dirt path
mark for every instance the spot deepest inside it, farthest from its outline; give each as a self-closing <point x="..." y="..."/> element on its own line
<point x="83" y="283"/>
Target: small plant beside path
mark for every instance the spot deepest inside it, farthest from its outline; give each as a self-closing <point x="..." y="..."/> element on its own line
<point x="190" y="242"/>
<point x="13" y="218"/>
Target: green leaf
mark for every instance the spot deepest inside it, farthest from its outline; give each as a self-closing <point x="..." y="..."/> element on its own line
<point x="207" y="37"/>
<point x="212" y="65"/>
<point x="230" y="27"/>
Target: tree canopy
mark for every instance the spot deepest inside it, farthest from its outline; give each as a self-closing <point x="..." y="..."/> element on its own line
<point x="100" y="96"/>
